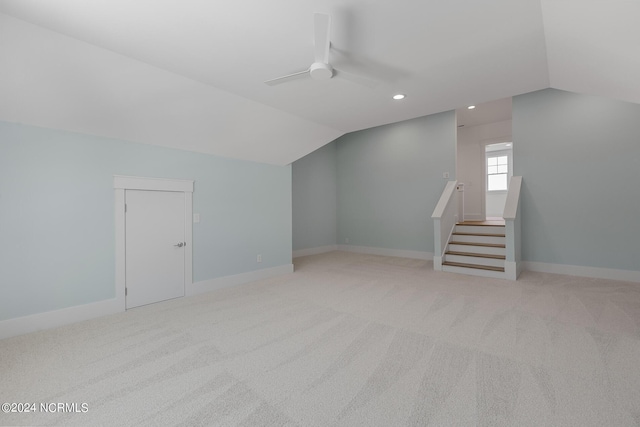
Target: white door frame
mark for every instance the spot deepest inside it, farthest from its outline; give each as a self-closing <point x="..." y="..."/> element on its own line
<point x="122" y="183"/>
<point x="483" y="148"/>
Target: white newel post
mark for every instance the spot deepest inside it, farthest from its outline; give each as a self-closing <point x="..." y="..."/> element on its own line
<point x="460" y="190"/>
<point x="511" y="217"/>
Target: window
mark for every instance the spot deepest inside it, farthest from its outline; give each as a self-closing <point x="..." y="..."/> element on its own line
<point x="497" y="172"/>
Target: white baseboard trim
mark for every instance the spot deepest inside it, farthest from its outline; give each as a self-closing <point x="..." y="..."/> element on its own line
<point x="314" y="251"/>
<point x="427" y="256"/>
<point x="53" y="319"/>
<point x="237" y="279"/>
<point x="582" y="271"/>
<point x="56" y="318"/>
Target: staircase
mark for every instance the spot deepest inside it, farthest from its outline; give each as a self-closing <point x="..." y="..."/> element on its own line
<point x="477" y="248"/>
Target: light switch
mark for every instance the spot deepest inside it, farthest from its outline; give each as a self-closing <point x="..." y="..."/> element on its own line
<point x="196" y="218"/>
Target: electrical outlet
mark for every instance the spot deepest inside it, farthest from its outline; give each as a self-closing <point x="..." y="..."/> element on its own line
<point x="259" y="258"/>
<point x="445" y="175"/>
<point x="346" y="240"/>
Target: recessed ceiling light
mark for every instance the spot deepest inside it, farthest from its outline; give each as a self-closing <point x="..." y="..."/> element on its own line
<point x="398" y="96"/>
<point x="471" y="107"/>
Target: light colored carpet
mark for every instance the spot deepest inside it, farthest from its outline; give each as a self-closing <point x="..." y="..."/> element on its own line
<point x="347" y="340"/>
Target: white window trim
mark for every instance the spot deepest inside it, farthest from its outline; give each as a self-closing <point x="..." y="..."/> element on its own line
<point x="123" y="183"/>
<point x="498" y="153"/>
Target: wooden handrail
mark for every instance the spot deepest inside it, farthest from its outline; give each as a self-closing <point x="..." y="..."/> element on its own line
<point x="445" y="216"/>
<point x="513" y="197"/>
<point x="447" y="194"/>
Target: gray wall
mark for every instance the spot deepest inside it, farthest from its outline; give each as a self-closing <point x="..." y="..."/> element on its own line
<point x="57" y="214"/>
<point x="580" y="161"/>
<point x="390" y="179"/>
<point x="314" y="199"/>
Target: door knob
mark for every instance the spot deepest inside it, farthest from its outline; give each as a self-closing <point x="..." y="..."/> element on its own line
<point x="179" y="245"/>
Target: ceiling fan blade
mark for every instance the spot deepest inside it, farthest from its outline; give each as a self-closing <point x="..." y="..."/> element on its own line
<point x="355" y="78"/>
<point x="322" y="27"/>
<point x="288" y="78"/>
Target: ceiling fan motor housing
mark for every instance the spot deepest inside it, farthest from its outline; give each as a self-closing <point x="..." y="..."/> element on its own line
<point x="321" y="71"/>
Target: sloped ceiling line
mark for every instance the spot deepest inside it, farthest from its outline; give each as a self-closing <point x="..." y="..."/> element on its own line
<point x="190" y="75"/>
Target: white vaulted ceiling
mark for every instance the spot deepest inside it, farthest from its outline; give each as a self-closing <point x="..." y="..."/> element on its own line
<point x="189" y="74"/>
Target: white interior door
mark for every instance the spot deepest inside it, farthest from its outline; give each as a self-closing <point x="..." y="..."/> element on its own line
<point x="154" y="245"/>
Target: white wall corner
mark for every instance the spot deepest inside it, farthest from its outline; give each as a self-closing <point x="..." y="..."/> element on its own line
<point x="204" y="286"/>
<point x="57" y="318"/>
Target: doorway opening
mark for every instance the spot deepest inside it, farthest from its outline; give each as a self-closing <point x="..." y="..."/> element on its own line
<point x="484" y="130"/>
<point x="498" y="170"/>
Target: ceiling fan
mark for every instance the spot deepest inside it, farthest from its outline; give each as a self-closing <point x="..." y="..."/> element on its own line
<point x="320" y="69"/>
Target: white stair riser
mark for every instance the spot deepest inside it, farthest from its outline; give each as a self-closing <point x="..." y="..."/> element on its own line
<point x="481" y="229"/>
<point x="478" y="239"/>
<point x="492" y="262"/>
<point x="474" y="272"/>
<point x="477" y="249"/>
